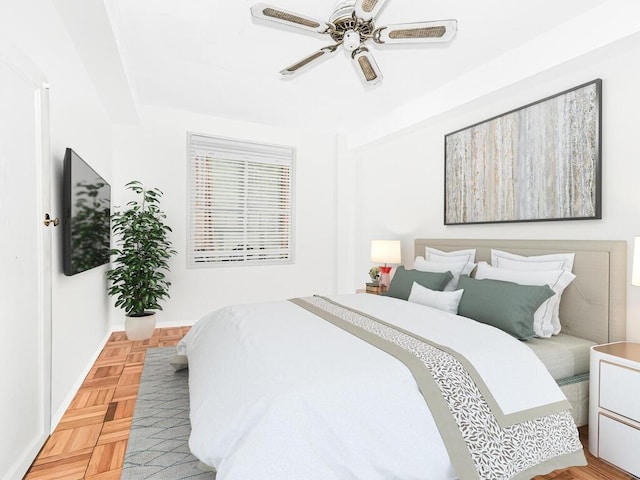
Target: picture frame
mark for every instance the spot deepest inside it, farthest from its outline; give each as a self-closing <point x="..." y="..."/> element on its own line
<point x="539" y="162"/>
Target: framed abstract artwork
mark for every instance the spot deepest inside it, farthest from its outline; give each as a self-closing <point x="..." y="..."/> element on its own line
<point x="540" y="162"/>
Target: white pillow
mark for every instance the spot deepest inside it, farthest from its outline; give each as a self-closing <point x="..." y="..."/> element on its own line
<point x="458" y="256"/>
<point x="436" y="255"/>
<point x="508" y="264"/>
<point x="456" y="269"/>
<point x="447" y="301"/>
<point x="553" y="261"/>
<point x="546" y="320"/>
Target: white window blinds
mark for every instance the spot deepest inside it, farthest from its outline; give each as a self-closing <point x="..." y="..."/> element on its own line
<point x="240" y="202"/>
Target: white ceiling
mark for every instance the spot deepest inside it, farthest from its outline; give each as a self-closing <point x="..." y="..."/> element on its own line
<point x="211" y="57"/>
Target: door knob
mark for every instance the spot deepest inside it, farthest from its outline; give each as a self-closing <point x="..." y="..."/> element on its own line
<point x="48" y="220"/>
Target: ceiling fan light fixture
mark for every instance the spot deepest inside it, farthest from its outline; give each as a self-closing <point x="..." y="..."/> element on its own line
<point x="352" y="25"/>
<point x="351" y="40"/>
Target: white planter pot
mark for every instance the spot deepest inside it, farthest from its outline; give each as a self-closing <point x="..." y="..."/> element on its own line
<point x="140" y="328"/>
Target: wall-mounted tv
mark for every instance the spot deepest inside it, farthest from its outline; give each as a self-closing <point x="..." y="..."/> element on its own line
<point x="87" y="216"/>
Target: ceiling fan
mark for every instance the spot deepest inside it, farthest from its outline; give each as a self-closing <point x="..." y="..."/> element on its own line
<point x="352" y="25"/>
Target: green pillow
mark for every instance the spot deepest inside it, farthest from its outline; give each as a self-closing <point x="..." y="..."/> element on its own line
<point x="506" y="305"/>
<point x="402" y="281"/>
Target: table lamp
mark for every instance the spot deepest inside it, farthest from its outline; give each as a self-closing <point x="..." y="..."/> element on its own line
<point x="385" y="251"/>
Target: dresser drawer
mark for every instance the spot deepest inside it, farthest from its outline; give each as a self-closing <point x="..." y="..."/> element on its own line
<point x="620" y="390"/>
<point x="620" y="444"/>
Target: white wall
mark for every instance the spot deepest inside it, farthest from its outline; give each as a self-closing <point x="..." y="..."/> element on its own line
<point x="80" y="310"/>
<point x="155" y="154"/>
<point x="400" y="179"/>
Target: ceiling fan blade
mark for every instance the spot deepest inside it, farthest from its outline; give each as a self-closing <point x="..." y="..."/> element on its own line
<point x="276" y="14"/>
<point x="366" y="66"/>
<point x="310" y="60"/>
<point x="367" y="9"/>
<point x="419" y="32"/>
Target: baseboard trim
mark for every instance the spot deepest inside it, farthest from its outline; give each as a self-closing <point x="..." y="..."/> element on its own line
<point x="183" y="323"/>
<point x="57" y="416"/>
<point x="166" y="324"/>
<point x="21" y="466"/>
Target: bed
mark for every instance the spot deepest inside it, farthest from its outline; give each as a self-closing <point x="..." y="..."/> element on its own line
<point x="323" y="387"/>
<point x="592" y="311"/>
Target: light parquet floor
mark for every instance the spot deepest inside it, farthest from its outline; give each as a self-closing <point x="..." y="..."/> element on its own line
<point x="91" y="439"/>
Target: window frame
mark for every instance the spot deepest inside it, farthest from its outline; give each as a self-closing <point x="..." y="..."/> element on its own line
<point x="247" y="151"/>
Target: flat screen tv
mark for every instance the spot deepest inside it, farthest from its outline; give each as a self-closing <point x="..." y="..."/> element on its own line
<point x="87" y="215"/>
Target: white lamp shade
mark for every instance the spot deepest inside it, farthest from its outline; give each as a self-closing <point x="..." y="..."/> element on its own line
<point x="385" y="251"/>
<point x="635" y="273"/>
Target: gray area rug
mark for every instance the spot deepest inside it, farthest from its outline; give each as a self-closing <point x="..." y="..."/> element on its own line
<point x="158" y="444"/>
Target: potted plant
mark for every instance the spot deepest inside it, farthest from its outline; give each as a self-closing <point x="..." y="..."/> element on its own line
<point x="140" y="260"/>
<point x="374" y="274"/>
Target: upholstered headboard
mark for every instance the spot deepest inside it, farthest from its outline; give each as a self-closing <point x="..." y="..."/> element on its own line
<point x="594" y="305"/>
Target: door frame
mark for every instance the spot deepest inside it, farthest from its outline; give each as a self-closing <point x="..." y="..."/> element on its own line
<point x="27" y="72"/>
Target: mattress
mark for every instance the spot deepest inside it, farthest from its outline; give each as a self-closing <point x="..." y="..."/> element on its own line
<point x="567" y="359"/>
<point x="564" y="356"/>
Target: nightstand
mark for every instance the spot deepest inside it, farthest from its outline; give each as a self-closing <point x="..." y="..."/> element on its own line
<point x="374" y="289"/>
<point x="614" y="404"/>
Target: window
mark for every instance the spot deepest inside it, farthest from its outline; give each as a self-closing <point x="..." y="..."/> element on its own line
<point x="240" y="202"/>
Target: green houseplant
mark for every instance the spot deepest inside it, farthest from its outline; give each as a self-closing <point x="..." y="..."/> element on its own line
<point x="140" y="260"/>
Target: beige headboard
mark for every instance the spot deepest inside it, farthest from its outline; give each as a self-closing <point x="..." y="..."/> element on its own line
<point x="594" y="305"/>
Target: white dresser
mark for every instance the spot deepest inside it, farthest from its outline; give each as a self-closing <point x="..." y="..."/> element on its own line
<point x="614" y="405"/>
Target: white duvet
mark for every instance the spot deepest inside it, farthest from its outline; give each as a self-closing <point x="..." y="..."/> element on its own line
<point x="278" y="393"/>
